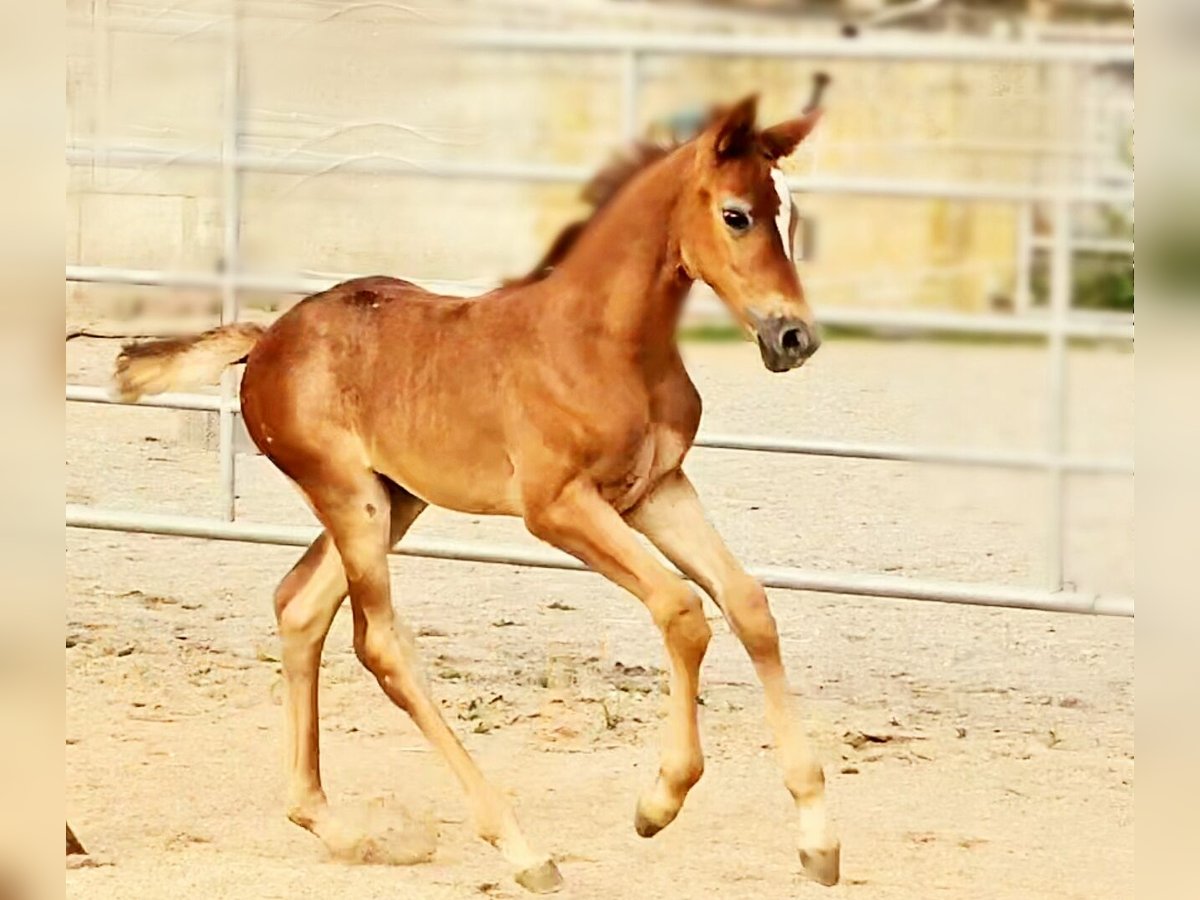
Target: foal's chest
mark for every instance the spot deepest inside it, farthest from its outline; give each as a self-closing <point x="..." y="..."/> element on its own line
<point x="635" y="447"/>
<point x="660" y="451"/>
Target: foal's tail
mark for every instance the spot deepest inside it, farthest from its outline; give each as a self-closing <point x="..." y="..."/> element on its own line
<point x="173" y="364"/>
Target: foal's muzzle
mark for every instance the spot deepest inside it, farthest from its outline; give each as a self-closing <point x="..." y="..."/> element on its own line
<point x="784" y="342"/>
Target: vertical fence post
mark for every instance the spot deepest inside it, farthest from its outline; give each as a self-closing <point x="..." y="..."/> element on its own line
<point x="1060" y="308"/>
<point x="631" y="77"/>
<point x="231" y="206"/>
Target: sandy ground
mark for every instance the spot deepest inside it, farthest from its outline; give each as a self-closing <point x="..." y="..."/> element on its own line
<point x="1001" y="763"/>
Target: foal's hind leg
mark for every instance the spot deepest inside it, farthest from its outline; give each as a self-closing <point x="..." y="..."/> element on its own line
<point x="305" y="603"/>
<point x="673" y="519"/>
<point x="354" y="507"/>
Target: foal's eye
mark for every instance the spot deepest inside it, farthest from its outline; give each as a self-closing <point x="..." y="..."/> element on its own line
<point x="736" y="219"/>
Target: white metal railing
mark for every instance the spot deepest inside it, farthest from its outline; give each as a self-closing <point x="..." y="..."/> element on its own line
<point x="557" y="173"/>
<point x="1095" y="326"/>
<point x="474" y="551"/>
<point x="803" y="446"/>
<point x="1057" y="327"/>
<point x="877" y="46"/>
<point x="898" y="47"/>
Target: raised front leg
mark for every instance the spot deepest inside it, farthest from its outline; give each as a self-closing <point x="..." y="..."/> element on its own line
<point x="579" y="521"/>
<point x="673" y="519"/>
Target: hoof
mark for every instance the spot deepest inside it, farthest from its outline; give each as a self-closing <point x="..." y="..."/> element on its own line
<point x="822" y="865"/>
<point x="540" y="879"/>
<point x="645" y="827"/>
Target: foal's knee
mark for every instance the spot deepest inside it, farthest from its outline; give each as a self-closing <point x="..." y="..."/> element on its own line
<point x="751" y="619"/>
<point x="680" y="615"/>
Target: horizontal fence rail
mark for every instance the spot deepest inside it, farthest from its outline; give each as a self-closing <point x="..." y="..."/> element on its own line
<point x="760" y="443"/>
<point x="309" y="164"/>
<point x="873" y="46"/>
<point x="1096" y="326"/>
<point x="770" y="576"/>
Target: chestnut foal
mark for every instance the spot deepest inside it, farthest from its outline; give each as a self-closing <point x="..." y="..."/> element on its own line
<point x="562" y="400"/>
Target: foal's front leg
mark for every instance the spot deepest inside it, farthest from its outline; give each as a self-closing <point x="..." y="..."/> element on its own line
<point x="581" y="522"/>
<point x="672" y="517"/>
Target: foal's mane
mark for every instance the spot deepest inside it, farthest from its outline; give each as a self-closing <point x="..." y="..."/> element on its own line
<point x="598" y="192"/>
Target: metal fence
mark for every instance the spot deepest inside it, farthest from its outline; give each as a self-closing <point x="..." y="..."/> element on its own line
<point x="1057" y="326"/>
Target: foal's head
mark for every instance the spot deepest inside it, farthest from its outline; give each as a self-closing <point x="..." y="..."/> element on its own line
<point x="736" y="226"/>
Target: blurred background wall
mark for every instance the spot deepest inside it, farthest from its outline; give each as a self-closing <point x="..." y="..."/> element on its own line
<point x="326" y="81"/>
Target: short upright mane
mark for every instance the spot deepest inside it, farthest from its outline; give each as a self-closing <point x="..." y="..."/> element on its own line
<point x="598" y="192"/>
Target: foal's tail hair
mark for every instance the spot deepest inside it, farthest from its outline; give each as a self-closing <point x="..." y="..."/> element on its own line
<point x="178" y="363"/>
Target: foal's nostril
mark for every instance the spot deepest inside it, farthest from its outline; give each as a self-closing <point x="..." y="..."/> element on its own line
<point x="793" y="340"/>
<point x="784" y="341"/>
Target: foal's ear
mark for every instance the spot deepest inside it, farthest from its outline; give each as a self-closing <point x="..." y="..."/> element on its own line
<point x="733" y="132"/>
<point x="780" y="140"/>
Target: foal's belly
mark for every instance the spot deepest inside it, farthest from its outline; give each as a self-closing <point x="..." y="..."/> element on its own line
<point x="475" y="474"/>
<point x="470" y="474"/>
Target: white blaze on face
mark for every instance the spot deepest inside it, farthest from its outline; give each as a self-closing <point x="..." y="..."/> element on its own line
<point x="783" y="219"/>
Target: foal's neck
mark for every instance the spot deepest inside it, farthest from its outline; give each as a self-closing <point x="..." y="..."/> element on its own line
<point x="625" y="275"/>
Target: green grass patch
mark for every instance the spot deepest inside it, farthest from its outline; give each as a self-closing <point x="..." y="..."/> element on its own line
<point x="717" y="334"/>
<point x="711" y="334"/>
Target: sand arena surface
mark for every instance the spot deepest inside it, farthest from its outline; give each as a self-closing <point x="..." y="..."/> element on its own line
<point x="971" y="752"/>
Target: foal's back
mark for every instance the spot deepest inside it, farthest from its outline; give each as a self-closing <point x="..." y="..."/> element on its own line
<point x="378" y="372"/>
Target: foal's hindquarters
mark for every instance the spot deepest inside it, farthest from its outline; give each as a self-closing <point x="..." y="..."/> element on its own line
<point x="305" y="391"/>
